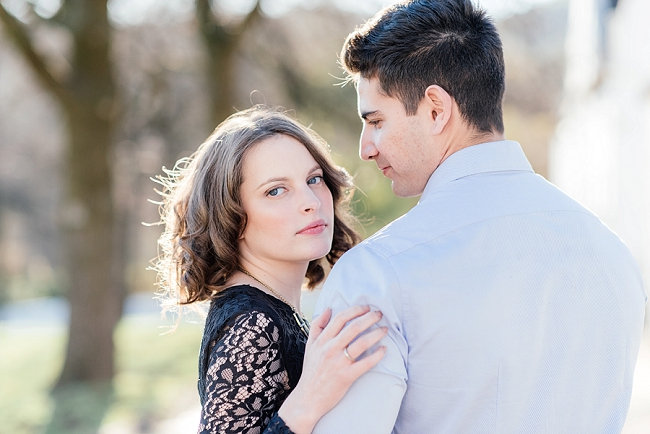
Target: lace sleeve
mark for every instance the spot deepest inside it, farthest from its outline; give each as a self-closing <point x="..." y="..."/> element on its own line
<point x="277" y="426"/>
<point x="246" y="381"/>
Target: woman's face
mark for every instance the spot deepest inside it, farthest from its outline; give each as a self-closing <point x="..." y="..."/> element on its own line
<point x="289" y="209"/>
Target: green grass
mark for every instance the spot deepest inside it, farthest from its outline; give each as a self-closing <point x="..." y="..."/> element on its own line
<point x="29" y="362"/>
<point x="156" y="379"/>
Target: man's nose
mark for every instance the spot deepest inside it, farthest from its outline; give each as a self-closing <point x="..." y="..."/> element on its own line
<point x="367" y="148"/>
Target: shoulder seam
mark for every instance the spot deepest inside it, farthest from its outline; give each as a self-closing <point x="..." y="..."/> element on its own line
<point x="376" y="246"/>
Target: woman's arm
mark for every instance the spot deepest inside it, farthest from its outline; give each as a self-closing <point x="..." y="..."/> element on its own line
<point x="245" y="376"/>
<point x="328" y="372"/>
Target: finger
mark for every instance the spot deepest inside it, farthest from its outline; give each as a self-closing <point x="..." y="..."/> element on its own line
<point x="340" y="319"/>
<point x="366" y="341"/>
<point x="317" y="326"/>
<point x="358" y="326"/>
<point x="362" y="366"/>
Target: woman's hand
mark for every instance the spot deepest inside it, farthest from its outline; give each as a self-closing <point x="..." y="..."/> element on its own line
<point x="328" y="372"/>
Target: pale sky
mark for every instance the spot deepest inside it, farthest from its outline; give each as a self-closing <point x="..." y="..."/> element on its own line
<point x="496" y="8"/>
<point x="134" y="11"/>
<point x="129" y="12"/>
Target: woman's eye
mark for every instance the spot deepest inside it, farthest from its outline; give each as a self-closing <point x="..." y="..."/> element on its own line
<point x="275" y="191"/>
<point x="315" y="180"/>
<point x="374" y="123"/>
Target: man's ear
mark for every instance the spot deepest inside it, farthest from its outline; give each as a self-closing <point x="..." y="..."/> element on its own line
<point x="439" y="104"/>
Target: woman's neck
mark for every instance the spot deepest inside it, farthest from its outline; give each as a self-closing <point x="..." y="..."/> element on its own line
<point x="284" y="279"/>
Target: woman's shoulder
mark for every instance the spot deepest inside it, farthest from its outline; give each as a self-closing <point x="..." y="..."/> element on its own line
<point x="239" y="299"/>
<point x="244" y="310"/>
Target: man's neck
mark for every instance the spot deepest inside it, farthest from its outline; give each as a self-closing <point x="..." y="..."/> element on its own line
<point x="464" y="138"/>
<point x="476" y="139"/>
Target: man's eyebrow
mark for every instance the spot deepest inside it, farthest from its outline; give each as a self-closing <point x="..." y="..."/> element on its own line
<point x="365" y="115"/>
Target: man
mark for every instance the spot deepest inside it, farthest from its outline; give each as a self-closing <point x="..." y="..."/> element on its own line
<point x="510" y="307"/>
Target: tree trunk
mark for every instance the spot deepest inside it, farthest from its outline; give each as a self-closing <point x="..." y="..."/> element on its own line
<point x="221" y="42"/>
<point x="87" y="217"/>
<point x="219" y="69"/>
<point x="89" y="213"/>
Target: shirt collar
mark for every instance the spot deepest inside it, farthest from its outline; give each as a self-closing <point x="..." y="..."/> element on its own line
<point x="505" y="155"/>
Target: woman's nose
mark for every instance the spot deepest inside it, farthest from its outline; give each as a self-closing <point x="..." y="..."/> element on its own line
<point x="310" y="201"/>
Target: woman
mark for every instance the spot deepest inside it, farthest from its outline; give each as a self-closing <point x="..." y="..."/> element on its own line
<point x="248" y="218"/>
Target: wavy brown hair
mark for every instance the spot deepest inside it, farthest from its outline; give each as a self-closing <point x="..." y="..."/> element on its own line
<point x="203" y="215"/>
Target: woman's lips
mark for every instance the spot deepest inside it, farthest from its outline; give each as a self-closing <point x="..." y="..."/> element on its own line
<point x="313" y="228"/>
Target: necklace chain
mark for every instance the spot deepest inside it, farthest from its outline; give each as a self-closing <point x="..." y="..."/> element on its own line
<point x="300" y="320"/>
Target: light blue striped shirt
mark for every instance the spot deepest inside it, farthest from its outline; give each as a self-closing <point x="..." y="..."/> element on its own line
<point x="511" y="309"/>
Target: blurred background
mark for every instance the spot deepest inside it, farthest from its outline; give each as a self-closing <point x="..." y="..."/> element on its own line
<point x="96" y="97"/>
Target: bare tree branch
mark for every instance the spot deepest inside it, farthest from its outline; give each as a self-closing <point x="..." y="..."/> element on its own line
<point x="55" y="19"/>
<point x="19" y="36"/>
<point x="204" y="15"/>
<point x="252" y="17"/>
<point x="211" y="27"/>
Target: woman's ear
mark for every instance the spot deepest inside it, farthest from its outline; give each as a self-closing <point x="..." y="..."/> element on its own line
<point x="439" y="105"/>
<point x="242" y="228"/>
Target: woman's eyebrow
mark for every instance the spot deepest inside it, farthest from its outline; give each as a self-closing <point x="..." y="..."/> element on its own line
<point x="316" y="168"/>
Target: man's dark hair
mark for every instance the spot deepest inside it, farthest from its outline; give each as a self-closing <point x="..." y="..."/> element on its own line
<point x="450" y="43"/>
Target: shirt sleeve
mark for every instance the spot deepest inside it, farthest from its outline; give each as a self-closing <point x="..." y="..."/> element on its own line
<point x="363" y="276"/>
<point x="245" y="378"/>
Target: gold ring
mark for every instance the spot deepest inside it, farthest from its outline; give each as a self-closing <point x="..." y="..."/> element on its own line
<point x="347" y="355"/>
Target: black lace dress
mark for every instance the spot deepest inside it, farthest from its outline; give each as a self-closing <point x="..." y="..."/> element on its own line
<point x="250" y="360"/>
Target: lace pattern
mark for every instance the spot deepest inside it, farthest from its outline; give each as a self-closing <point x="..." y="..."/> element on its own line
<point x="277" y="426"/>
<point x="246" y="377"/>
<point x="248" y="363"/>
